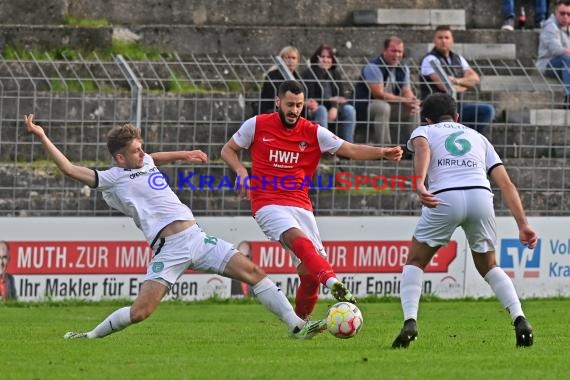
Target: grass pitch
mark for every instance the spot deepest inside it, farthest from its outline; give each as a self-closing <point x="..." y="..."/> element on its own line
<point x="240" y="340"/>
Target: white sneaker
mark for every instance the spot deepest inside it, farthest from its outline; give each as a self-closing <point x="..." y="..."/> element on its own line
<point x="74" y="335"/>
<point x="309" y="329"/>
<point x="508" y="24"/>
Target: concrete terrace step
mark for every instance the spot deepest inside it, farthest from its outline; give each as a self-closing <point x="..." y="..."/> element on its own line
<point x="478" y="14"/>
<point x="348" y="41"/>
<point x="531" y="140"/>
<point x="550" y="117"/>
<point x="520" y="83"/>
<point x="47" y="37"/>
<point x="260" y="41"/>
<point x="427" y="18"/>
<point x="468" y="50"/>
<point x="542" y="117"/>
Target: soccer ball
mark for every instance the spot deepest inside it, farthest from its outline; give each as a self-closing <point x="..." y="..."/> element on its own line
<point x="344" y="320"/>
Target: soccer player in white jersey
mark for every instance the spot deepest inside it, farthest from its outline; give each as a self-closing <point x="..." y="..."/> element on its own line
<point x="169" y="227"/>
<point x="456" y="161"/>
<point x="285" y="151"/>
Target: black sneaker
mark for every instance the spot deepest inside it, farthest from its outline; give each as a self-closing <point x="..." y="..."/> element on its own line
<point x="408" y="333"/>
<point x="523" y="332"/>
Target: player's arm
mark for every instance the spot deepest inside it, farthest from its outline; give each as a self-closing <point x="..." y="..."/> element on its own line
<point x="369" y="152"/>
<point x="230" y="155"/>
<point x="422" y="156"/>
<point x="80" y="173"/>
<point x="513" y="201"/>
<point x="165" y="158"/>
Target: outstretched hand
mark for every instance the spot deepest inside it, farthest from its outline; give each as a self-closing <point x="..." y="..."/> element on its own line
<point x="393" y="154"/>
<point x="31" y="127"/>
<point x="196" y="156"/>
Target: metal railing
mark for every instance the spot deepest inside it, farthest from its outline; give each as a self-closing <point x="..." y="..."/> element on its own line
<point x="200" y="101"/>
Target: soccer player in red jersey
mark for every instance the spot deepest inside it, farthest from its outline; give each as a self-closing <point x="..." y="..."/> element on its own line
<point x="285" y="151"/>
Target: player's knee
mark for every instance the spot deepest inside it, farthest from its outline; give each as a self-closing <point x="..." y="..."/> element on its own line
<point x="484" y="269"/>
<point x="252" y="272"/>
<point x="417" y="262"/>
<point x="257" y="273"/>
<point x="140" y="313"/>
<point x="488" y="113"/>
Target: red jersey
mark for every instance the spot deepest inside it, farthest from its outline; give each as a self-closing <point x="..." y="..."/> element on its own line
<point x="283" y="159"/>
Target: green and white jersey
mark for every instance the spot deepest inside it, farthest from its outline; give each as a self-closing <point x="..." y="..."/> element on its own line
<point x="130" y="192"/>
<point x="460" y="156"/>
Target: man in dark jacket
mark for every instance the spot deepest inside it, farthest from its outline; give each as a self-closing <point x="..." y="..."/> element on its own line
<point x="384" y="94"/>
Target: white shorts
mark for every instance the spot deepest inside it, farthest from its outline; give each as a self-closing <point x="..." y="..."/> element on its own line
<point x="274" y="220"/>
<point x="188" y="249"/>
<point x="470" y="209"/>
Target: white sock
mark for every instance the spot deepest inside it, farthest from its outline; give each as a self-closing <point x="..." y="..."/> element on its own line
<point x="411" y="291"/>
<point x="331" y="281"/>
<point x="505" y="291"/>
<point x="117" y="321"/>
<point x="275" y="301"/>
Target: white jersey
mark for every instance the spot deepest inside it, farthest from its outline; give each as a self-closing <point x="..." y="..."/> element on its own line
<point x="129" y="191"/>
<point x="460" y="156"/>
<point x="426" y="68"/>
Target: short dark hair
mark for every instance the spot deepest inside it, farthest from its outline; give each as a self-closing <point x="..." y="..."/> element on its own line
<point x="121" y="136"/>
<point x="292" y="86"/>
<point x="439" y="106"/>
<point x="443" y="28"/>
<point x="563" y="2"/>
<point x="395" y="39"/>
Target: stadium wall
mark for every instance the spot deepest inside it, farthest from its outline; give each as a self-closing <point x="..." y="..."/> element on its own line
<point x="106" y="257"/>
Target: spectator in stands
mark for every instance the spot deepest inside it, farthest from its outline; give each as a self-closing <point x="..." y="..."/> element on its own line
<point x="325" y="89"/>
<point x="540" y="11"/>
<point x="274" y="77"/>
<point x="460" y="75"/>
<point x="384" y="93"/>
<point x="554" y="47"/>
<point x="7" y="285"/>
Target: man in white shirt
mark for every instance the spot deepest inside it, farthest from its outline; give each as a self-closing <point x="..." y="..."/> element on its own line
<point x="476" y="115"/>
<point x="456" y="160"/>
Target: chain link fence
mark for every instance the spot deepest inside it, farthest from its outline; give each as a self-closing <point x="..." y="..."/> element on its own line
<point x="199" y="102"/>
